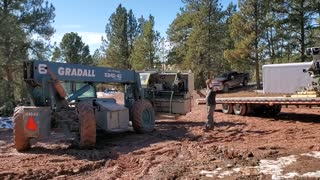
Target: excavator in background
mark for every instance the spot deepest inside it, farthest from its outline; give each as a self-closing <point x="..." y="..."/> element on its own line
<point x="64" y="95"/>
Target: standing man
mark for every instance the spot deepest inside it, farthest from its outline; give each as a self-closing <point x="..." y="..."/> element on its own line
<point x="211" y="105"/>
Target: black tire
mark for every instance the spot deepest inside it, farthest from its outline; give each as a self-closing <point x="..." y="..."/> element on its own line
<point x="260" y="110"/>
<point x="245" y="82"/>
<point x="225" y="88"/>
<point x="21" y="142"/>
<point x="250" y="108"/>
<point x="227" y="108"/>
<point x="273" y="110"/>
<point x="142" y="116"/>
<point x="240" y="109"/>
<point x="277" y="109"/>
<point x="87" y="124"/>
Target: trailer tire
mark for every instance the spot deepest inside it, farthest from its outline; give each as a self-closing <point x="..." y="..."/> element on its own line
<point x="87" y="124"/>
<point x="274" y="110"/>
<point x="142" y="116"/>
<point x="240" y="109"/>
<point x="250" y="108"/>
<point x="21" y="142"/>
<point x="277" y="109"/>
<point x="227" y="108"/>
<point x="260" y="110"/>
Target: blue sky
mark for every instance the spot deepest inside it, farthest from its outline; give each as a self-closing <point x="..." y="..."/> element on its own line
<point x="89" y="17"/>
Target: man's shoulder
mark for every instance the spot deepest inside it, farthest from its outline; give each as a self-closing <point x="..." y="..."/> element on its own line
<point x="211" y="92"/>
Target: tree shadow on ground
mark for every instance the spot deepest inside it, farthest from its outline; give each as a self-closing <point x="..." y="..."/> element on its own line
<point x="229" y="124"/>
<point x="308" y="118"/>
<point x="291" y="117"/>
<point x="111" y="145"/>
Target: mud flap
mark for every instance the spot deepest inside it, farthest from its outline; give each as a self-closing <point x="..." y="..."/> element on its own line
<point x="30" y="122"/>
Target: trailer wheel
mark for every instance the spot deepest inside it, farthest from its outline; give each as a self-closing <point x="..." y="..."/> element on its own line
<point x="21" y="142"/>
<point x="87" y="124"/>
<point x="260" y="110"/>
<point x="240" y="109"/>
<point x="277" y="109"/>
<point x="250" y="108"/>
<point x="227" y="108"/>
<point x="274" y="110"/>
<point x="142" y="116"/>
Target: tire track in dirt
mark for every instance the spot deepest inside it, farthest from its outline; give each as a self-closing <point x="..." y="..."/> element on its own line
<point x="171" y="160"/>
<point x="22" y="166"/>
<point x="47" y="160"/>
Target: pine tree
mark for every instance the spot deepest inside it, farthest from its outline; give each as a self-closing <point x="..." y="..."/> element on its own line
<point x="20" y="20"/>
<point x="73" y="50"/>
<point x="117" y="52"/>
<point x="144" y="52"/>
<point x="132" y="30"/>
<point x="298" y="19"/>
<point x="247" y="29"/>
<point x="199" y="35"/>
<point x="97" y="57"/>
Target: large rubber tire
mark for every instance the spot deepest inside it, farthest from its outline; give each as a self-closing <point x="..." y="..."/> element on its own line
<point x="273" y="110"/>
<point x="260" y="110"/>
<point x="142" y="116"/>
<point x="250" y="108"/>
<point x="21" y="142"/>
<point x="227" y="108"/>
<point x="87" y="124"/>
<point x="240" y="109"/>
<point x="277" y="109"/>
<point x="225" y="88"/>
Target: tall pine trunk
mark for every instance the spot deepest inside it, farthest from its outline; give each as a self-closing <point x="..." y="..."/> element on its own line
<point x="302" y="30"/>
<point x="256" y="45"/>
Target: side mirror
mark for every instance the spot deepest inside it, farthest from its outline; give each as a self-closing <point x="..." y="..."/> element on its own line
<point x="304" y="70"/>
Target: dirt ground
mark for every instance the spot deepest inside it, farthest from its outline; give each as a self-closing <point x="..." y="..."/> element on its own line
<point x="240" y="147"/>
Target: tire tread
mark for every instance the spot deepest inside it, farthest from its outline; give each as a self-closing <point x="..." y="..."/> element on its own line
<point x="21" y="142"/>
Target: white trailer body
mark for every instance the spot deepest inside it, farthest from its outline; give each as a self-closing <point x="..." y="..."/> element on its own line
<point x="286" y="78"/>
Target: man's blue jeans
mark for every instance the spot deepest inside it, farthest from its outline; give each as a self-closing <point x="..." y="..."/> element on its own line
<point x="210" y="117"/>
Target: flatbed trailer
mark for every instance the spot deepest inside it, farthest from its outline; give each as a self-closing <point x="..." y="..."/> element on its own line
<point x="261" y="105"/>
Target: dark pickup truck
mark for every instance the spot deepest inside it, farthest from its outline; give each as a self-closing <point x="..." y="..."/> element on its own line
<point x="225" y="81"/>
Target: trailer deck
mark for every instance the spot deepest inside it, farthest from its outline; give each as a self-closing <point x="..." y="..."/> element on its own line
<point x="261" y="105"/>
<point x="266" y="100"/>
